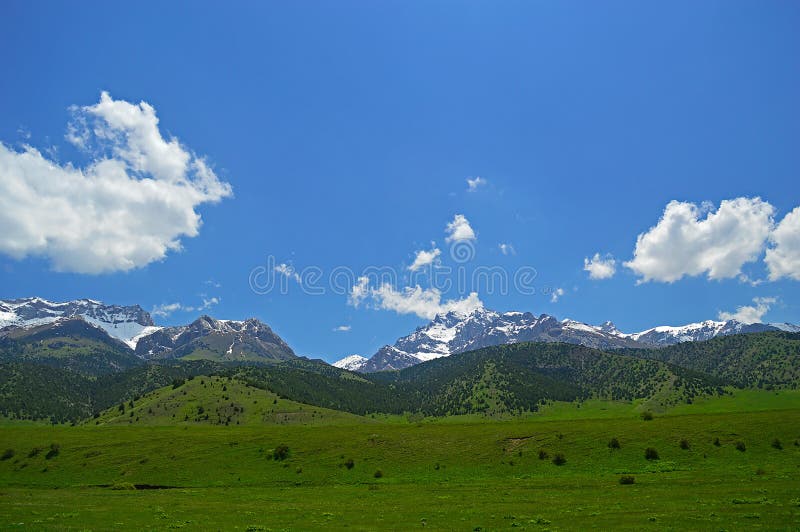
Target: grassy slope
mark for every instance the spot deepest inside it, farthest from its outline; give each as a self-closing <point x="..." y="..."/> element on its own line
<point x="218" y="401"/>
<point x="446" y="475"/>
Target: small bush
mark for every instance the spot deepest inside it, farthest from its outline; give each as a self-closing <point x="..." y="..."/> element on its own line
<point x="651" y="454"/>
<point x="8" y="454"/>
<point x="559" y="459"/>
<point x="53" y="452"/>
<point x="378" y="474"/>
<point x="647" y="416"/>
<point x="123" y="486"/>
<point x="349" y="463"/>
<point x="543" y="454"/>
<point x="34" y="452"/>
<point x="740" y="446"/>
<point x="684" y="444"/>
<point x="281" y="452"/>
<point x="776" y="444"/>
<point x="716" y="442"/>
<point x="613" y="444"/>
<point x="626" y="479"/>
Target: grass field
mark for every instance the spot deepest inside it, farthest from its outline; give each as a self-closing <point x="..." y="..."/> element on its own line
<point x="351" y="472"/>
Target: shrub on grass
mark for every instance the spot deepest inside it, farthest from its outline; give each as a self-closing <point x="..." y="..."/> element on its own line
<point x="543" y="454"/>
<point x="776" y="444"/>
<point x="740" y="446"/>
<point x="7" y="455"/>
<point x="716" y="442"/>
<point x="349" y="463"/>
<point x="559" y="459"/>
<point x="651" y="454"/>
<point x="281" y="452"/>
<point x="34" y="452"/>
<point x="378" y="474"/>
<point x="613" y="444"/>
<point x="626" y="479"/>
<point x="53" y="452"/>
<point x="684" y="444"/>
<point x="647" y="416"/>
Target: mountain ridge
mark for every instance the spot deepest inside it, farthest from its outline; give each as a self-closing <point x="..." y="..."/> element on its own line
<point x="454" y="333"/>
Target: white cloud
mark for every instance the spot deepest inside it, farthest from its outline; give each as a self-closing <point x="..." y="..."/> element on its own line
<point x="600" y="267"/>
<point x="507" y="249"/>
<point x="342" y="328"/>
<point x="359" y="292"/>
<point x="425" y="258"/>
<point x="128" y="207"/>
<point x="168" y="309"/>
<point x="750" y="313"/>
<point x="783" y="258"/>
<point x="288" y="271"/>
<point x="473" y="184"/>
<point x="425" y="303"/>
<point x="691" y="240"/>
<point x="557" y="293"/>
<point x="459" y="230"/>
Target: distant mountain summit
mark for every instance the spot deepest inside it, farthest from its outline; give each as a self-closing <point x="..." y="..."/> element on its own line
<point x="223" y="340"/>
<point x="452" y="333"/>
<point x="127" y="324"/>
<point x="352" y="363"/>
<point x="204" y="338"/>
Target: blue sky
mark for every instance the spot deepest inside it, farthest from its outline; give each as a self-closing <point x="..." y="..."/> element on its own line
<point x="347" y="133"/>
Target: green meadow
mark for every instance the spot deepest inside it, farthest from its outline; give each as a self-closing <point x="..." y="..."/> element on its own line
<point x="724" y="463"/>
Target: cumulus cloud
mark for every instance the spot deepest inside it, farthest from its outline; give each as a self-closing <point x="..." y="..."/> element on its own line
<point x="129" y="206"/>
<point x="423" y="302"/>
<point x="342" y="328"/>
<point x="288" y="271"/>
<point x="600" y="267"/>
<point x="750" y="313"/>
<point x="507" y="249"/>
<point x="168" y="309"/>
<point x="474" y="183"/>
<point x="783" y="258"/>
<point x="459" y="230"/>
<point x="556" y="295"/>
<point x="692" y="240"/>
<point x="425" y="258"/>
<point x="359" y="292"/>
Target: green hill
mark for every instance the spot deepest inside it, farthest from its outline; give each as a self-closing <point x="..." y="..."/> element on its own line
<point x="69" y="344"/>
<point x="518" y="377"/>
<point x="217" y="400"/>
<point x="746" y="360"/>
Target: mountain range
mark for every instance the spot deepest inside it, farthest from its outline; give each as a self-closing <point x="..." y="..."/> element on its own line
<point x="129" y="333"/>
<point x="455" y="332"/>
<point x="71" y="361"/>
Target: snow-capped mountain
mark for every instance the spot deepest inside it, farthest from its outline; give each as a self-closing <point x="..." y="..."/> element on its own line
<point x="219" y="339"/>
<point x="455" y="333"/>
<point x="696" y="332"/>
<point x="351" y="363"/>
<point x="127" y="324"/>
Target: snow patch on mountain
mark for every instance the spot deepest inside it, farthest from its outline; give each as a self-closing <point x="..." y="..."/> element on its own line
<point x="127" y="324"/>
<point x="351" y="363"/>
